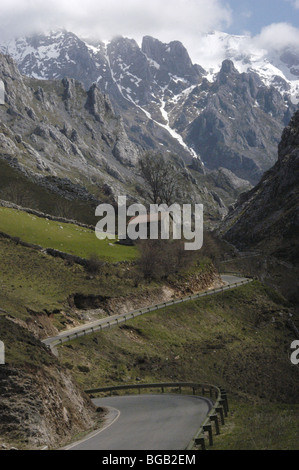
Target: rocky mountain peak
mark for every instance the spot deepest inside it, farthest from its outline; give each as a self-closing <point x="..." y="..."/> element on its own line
<point x="228" y="67"/>
<point x="231" y="119"/>
<point x="172" y="58"/>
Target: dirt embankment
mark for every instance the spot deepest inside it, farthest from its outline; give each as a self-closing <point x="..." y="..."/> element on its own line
<point x="86" y="308"/>
<point x="41" y="408"/>
<point x="91" y="307"/>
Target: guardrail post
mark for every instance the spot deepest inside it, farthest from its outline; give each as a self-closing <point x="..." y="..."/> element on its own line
<point x="222" y="402"/>
<point x="224" y="397"/>
<point x="201" y="441"/>
<point x="220" y="411"/>
<point x="214" y="418"/>
<point x="208" y="428"/>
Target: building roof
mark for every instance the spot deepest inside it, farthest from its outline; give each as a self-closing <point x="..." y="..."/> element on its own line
<point x="145" y="219"/>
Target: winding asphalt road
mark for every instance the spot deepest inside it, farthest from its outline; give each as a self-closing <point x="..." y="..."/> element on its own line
<point x="230" y="282"/>
<point x="147" y="422"/>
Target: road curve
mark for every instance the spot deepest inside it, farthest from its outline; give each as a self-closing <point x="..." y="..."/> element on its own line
<point x="230" y="282"/>
<point x="148" y="422"/>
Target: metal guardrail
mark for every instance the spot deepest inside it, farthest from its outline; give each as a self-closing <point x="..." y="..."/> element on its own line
<point x="216" y="415"/>
<point x="116" y="320"/>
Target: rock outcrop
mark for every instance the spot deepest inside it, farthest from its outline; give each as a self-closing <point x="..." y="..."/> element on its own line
<point x="40" y="404"/>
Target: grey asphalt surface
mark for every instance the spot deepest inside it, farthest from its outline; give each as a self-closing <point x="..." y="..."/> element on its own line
<point x="148" y="422"/>
<point x="232" y="279"/>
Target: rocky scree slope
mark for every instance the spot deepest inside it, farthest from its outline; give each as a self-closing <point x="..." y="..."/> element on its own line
<point x="58" y="129"/>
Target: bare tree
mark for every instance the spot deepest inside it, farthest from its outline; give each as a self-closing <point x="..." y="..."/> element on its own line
<point x="16" y="193"/>
<point x="162" y="178"/>
<point x="160" y="259"/>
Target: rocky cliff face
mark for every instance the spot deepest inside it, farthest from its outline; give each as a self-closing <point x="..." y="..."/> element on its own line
<point x="64" y="129"/>
<point x="267" y="218"/>
<point x="238" y="125"/>
<point x="70" y="134"/>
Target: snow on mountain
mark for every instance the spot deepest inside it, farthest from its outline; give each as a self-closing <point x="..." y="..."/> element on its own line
<point x="227" y="111"/>
<point x="49" y="56"/>
<point x="277" y="68"/>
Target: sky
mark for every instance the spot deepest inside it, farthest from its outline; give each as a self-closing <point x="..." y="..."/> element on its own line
<point x="253" y="15"/>
<point x="268" y="22"/>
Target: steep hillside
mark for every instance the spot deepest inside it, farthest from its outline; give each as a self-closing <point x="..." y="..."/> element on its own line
<point x="267" y="217"/>
<point x="238" y="340"/>
<point x="60" y="129"/>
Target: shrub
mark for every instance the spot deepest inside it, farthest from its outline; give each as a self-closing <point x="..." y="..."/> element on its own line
<point x="94" y="265"/>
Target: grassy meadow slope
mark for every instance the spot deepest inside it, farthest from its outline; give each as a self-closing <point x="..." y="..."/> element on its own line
<point x="68" y="238"/>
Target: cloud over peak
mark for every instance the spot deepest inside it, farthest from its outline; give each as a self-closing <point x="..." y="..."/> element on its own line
<point x="277" y="36"/>
<point x="168" y="19"/>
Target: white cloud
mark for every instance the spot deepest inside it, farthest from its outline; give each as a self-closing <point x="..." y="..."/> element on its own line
<point x="295" y="3"/>
<point x="166" y="19"/>
<point x="277" y="36"/>
<point x="210" y="51"/>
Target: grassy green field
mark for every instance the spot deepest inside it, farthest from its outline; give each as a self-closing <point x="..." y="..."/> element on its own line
<point x="205" y="340"/>
<point x="34" y="283"/>
<point x="68" y="238"/>
<point x="31" y="282"/>
<point x="260" y="427"/>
